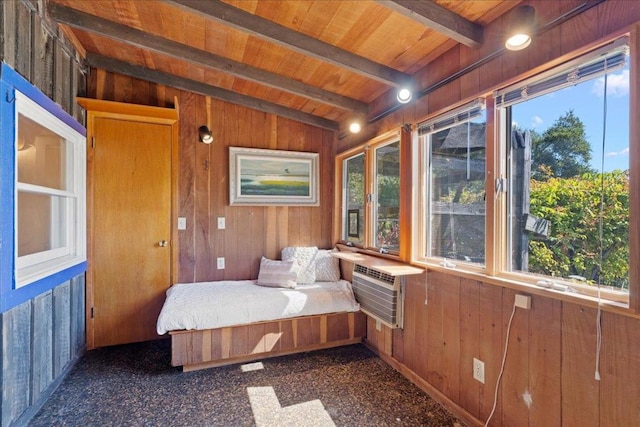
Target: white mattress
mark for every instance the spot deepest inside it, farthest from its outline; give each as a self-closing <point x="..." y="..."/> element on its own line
<point x="209" y="305"/>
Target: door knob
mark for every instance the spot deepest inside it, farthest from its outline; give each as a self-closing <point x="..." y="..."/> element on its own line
<point x="162" y="243"/>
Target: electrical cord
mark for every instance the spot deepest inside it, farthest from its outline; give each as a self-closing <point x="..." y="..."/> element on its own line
<point x="600" y="231"/>
<point x="504" y="359"/>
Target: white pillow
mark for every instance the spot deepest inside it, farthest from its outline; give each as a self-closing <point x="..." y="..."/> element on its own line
<point x="327" y="266"/>
<point x="278" y="274"/>
<point x="306" y="258"/>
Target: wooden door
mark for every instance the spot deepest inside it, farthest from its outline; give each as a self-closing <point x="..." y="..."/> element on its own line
<point x="131" y="228"/>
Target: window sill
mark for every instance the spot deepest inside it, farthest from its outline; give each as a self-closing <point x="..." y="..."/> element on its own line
<point x="382" y="262"/>
<point x="521" y="286"/>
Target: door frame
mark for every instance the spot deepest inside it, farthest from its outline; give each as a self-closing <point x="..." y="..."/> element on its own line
<point x="137" y="113"/>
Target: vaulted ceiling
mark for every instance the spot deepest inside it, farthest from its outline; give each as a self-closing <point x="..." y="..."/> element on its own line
<point x="321" y="62"/>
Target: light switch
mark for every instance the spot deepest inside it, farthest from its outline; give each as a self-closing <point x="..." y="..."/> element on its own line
<point x="221" y="223"/>
<point x="182" y="223"/>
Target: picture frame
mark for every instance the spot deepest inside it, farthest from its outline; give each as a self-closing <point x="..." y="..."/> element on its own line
<point x="261" y="177"/>
<point x="353" y="226"/>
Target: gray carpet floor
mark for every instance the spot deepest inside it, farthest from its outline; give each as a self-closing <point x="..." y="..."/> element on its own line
<point x="134" y="385"/>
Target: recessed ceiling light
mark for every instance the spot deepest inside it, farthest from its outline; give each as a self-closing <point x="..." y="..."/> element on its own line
<point x="404" y="95"/>
<point x="520" y="28"/>
<point x="355" y="127"/>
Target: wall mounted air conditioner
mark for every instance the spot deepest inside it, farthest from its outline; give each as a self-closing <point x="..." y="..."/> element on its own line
<point x="380" y="295"/>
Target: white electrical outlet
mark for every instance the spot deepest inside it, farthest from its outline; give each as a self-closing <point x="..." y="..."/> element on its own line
<point x="182" y="223"/>
<point x="478" y="370"/>
<point x="221" y="223"/>
<point x="523" y="301"/>
<point x="220" y="261"/>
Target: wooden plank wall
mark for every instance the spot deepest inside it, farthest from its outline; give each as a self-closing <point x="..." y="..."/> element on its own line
<point x="548" y="378"/>
<point x="203" y="183"/>
<point x="549" y="371"/>
<point x="41" y="341"/>
<point x="38" y="50"/>
<point x="43" y="337"/>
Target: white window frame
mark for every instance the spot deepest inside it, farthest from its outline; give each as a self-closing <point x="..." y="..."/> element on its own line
<point x="32" y="267"/>
<point x="422" y="175"/>
<point x="521" y="91"/>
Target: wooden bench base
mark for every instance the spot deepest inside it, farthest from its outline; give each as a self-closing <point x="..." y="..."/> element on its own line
<point x="199" y="349"/>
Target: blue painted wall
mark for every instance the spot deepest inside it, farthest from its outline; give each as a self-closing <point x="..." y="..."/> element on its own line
<point x="42" y="325"/>
<point x="10" y="81"/>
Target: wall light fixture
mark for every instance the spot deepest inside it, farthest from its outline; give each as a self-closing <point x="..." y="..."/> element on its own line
<point x="204" y="135"/>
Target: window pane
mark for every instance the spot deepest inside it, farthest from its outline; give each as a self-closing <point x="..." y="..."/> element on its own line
<point x="42" y="223"/>
<point x="560" y="175"/>
<point x="354" y="199"/>
<point x="456" y="192"/>
<point x="42" y="156"/>
<point x="387" y="230"/>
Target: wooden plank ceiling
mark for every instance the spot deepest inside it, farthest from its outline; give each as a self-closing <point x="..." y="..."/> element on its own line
<point x="321" y="62"/>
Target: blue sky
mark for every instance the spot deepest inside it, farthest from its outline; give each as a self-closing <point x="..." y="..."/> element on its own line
<point x="586" y="101"/>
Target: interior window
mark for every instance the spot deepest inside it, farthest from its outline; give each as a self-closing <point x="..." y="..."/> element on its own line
<point x="568" y="160"/>
<point x="50" y="193"/>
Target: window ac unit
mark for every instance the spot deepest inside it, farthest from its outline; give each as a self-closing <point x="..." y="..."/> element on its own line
<point x="380" y="295"/>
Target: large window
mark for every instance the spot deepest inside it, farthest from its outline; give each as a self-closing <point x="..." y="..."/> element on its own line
<point x="452" y="166"/>
<point x="50" y="207"/>
<point x="568" y="173"/>
<point x="371" y="195"/>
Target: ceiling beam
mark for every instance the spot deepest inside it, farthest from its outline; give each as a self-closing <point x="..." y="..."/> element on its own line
<point x="86" y="22"/>
<point x="283" y="36"/>
<point x="171" y="80"/>
<point x="442" y="20"/>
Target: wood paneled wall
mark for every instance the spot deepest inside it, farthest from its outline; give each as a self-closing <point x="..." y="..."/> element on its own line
<point x="41" y="339"/>
<point x="549" y="373"/>
<point x="203" y="183"/>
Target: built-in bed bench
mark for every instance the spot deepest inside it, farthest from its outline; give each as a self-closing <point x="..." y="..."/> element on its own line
<point x="219" y="323"/>
<point x="198" y="349"/>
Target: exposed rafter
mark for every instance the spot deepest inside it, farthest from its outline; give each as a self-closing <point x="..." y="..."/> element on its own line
<point x="134" y="37"/>
<point x="283" y="36"/>
<point x="442" y="20"/>
<point x="160" y="77"/>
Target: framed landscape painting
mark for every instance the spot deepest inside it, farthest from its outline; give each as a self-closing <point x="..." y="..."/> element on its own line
<point x="273" y="177"/>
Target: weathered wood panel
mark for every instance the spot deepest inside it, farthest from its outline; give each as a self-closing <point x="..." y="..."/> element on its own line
<point x="16" y="362"/>
<point x="77" y="324"/>
<point x="23" y="41"/>
<point x="61" y="327"/>
<point x="42" y="365"/>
